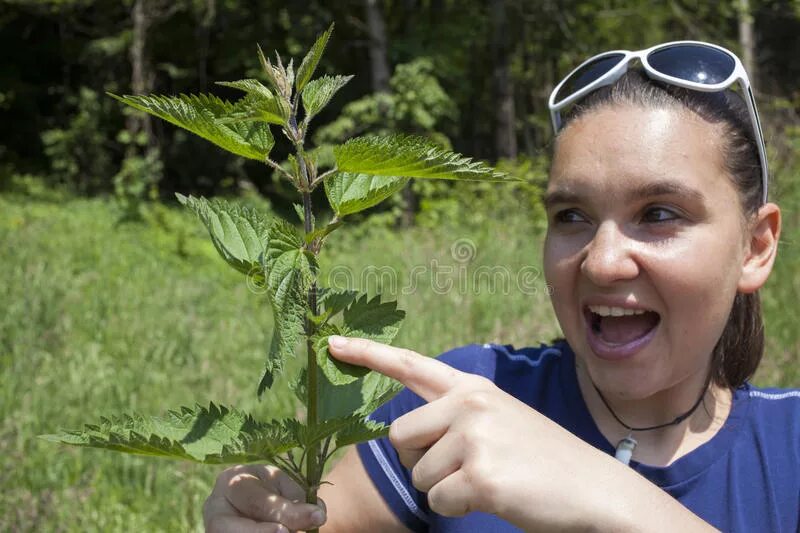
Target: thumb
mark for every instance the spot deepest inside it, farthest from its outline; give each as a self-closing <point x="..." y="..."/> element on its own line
<point x="254" y="501"/>
<point x="302" y="516"/>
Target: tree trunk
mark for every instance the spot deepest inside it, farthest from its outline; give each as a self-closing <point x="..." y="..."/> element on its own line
<point x="503" y="87"/>
<point x="141" y="74"/>
<point x="747" y="40"/>
<point x="529" y="99"/>
<point x="379" y="64"/>
<point x="206" y="14"/>
<point x="380" y="73"/>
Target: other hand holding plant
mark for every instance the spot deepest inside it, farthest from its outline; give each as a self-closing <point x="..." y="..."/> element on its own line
<point x="337" y="395"/>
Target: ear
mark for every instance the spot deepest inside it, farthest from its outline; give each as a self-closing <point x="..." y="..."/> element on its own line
<point x="765" y="229"/>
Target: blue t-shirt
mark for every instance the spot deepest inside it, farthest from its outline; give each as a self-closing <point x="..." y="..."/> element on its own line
<point x="746" y="478"/>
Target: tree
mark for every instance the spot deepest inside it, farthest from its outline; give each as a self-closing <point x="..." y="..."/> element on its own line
<point x="505" y="136"/>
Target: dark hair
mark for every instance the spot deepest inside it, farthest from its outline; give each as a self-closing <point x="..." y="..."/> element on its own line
<point x="739" y="349"/>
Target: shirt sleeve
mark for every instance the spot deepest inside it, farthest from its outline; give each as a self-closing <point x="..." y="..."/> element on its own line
<point x="381" y="461"/>
<point x="390" y="477"/>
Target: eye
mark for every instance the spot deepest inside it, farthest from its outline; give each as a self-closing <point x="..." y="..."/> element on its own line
<point x="660" y="214"/>
<point x="569" y="216"/>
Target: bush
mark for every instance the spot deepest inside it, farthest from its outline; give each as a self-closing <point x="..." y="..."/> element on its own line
<point x="79" y="154"/>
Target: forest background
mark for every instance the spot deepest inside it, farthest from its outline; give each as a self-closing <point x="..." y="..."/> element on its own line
<point x="112" y="299"/>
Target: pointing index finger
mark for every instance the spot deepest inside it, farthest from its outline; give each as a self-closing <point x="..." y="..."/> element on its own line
<point x="427" y="377"/>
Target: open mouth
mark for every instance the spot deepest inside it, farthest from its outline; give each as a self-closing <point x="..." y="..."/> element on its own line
<point x="618" y="326"/>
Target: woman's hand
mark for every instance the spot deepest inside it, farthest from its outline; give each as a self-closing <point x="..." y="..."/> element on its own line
<point x="473" y="447"/>
<point x="259" y="499"/>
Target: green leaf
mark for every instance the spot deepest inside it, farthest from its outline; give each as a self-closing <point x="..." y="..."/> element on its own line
<point x="337" y="372"/>
<point x="301" y="214"/>
<point x="311" y="60"/>
<point x="335" y="300"/>
<point x="262" y="444"/>
<point x="201" y="434"/>
<point x="412" y="157"/>
<point x="298" y="208"/>
<point x="284" y="87"/>
<point x="259" y="104"/>
<point x="294" y="169"/>
<point x="249" y="86"/>
<point x="347" y="389"/>
<point x="239" y="234"/>
<point x="273" y="254"/>
<point x="360" y="430"/>
<point x="359" y="397"/>
<point x="319" y="319"/>
<point x="372" y="319"/>
<point x="363" y="317"/>
<point x="299" y="386"/>
<point x="210" y="118"/>
<point x="319" y="92"/>
<point x="350" y="193"/>
<point x="326" y="428"/>
<point x="289" y="72"/>
<point x="271" y="72"/>
<point x="289" y="271"/>
<point x="349" y="429"/>
<point x="321" y="233"/>
<point x="376" y="390"/>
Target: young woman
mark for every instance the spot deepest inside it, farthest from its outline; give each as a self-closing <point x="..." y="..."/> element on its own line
<point x="659" y="237"/>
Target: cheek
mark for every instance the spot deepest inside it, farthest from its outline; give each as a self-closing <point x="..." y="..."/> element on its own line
<point x="561" y="266"/>
<point x="561" y="255"/>
<point x="698" y="282"/>
<point x="555" y="267"/>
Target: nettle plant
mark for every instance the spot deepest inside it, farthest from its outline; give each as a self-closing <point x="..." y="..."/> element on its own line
<point x="283" y="262"/>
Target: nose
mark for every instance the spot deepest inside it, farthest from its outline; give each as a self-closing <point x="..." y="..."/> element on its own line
<point x="609" y="256"/>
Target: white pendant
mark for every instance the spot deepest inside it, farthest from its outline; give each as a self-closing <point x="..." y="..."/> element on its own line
<point x="625" y="450"/>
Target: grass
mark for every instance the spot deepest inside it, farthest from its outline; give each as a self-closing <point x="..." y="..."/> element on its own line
<point x="101" y="317"/>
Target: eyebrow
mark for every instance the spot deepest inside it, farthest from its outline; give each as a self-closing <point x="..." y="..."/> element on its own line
<point x="656" y="188"/>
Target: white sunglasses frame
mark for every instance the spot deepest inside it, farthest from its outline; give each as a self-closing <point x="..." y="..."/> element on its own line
<point x="738" y="75"/>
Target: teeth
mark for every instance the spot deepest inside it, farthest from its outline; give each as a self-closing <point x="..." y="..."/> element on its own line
<point x="603" y="310"/>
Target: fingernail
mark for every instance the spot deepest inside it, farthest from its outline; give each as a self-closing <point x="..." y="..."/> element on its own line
<point x="318" y="517"/>
<point x="337" y="341"/>
<point x="282" y="529"/>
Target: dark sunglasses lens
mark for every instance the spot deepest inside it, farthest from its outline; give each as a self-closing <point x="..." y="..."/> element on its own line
<point x="587" y="74"/>
<point x="692" y="62"/>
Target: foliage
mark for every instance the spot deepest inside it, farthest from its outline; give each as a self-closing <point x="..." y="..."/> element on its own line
<point x="212" y="119"/>
<point x="440" y="206"/>
<point x="136" y="182"/>
<point x="416" y="103"/>
<point x="78" y="154"/>
<point x="414" y="157"/>
<point x="350" y="192"/>
<point x="52" y="49"/>
<point x="284" y="264"/>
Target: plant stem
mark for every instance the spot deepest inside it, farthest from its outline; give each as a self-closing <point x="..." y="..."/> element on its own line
<point x="313" y="468"/>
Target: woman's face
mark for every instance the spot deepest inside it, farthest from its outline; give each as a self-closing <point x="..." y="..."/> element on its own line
<point x="644" y="223"/>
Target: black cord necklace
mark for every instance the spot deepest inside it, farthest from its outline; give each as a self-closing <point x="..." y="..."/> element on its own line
<point x="625" y="447"/>
<point x="676" y="421"/>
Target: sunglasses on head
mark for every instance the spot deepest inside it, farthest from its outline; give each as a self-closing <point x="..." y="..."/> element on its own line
<point x="689" y="64"/>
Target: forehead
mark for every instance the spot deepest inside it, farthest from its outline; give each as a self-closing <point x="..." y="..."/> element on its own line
<point x="615" y="146"/>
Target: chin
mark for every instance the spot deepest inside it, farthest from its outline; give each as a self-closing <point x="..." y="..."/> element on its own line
<point x="625" y="388"/>
<point x="626" y="379"/>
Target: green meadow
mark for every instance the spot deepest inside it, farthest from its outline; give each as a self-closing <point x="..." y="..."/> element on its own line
<point x="101" y="315"/>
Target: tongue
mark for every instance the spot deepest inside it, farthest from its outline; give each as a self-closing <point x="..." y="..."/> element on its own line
<point x="624" y="329"/>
